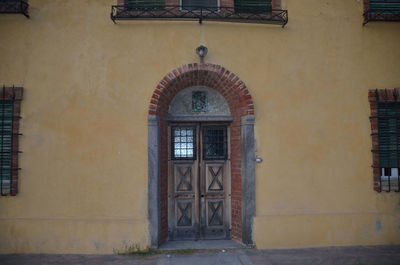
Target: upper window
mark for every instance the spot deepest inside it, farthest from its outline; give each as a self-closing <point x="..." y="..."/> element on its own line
<point x="14" y="7"/>
<point x="253" y="6"/>
<point x="144" y="4"/>
<point x="385" y="125"/>
<point x="10" y="99"/>
<point x="204" y="5"/>
<point x="381" y="10"/>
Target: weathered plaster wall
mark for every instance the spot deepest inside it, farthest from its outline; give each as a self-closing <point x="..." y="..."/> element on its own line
<point x="88" y="83"/>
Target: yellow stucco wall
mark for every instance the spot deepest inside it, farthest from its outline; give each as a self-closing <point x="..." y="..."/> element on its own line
<point x="88" y="83"/>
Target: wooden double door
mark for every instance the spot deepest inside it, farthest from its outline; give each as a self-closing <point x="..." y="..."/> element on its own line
<point x="198" y="182"/>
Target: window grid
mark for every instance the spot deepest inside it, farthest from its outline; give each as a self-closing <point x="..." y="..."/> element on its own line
<point x="183" y="143"/>
<point x="214" y="143"/>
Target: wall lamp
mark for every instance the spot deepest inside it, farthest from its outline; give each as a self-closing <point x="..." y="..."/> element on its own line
<point x="201" y="52"/>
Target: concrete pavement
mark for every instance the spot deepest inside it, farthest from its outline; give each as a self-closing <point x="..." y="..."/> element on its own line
<point x="365" y="255"/>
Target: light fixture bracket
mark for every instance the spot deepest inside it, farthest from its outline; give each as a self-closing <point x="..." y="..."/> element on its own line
<point x="202" y="52"/>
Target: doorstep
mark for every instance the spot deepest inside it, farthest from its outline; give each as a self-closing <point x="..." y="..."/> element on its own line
<point x="201" y="244"/>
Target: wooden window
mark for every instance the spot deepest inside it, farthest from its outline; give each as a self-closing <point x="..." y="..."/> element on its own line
<point x="253" y="6"/>
<point x="144" y="4"/>
<point x="385" y="126"/>
<point x="384" y="6"/>
<point x="381" y="10"/>
<point x="193" y="5"/>
<point x="10" y="98"/>
<point x="389" y="144"/>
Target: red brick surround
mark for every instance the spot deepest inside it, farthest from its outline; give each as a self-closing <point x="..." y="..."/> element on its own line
<point x="374" y="97"/>
<point x="240" y="104"/>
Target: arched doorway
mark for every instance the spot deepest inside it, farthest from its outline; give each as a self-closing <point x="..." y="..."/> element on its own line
<point x="242" y="156"/>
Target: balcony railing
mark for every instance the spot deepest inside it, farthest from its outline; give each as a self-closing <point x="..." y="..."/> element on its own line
<point x="14" y="7"/>
<point x="249" y="14"/>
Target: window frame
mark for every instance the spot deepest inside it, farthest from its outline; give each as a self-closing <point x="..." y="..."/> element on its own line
<point x="15" y="94"/>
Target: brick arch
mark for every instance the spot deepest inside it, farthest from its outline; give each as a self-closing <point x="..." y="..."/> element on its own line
<point x="241" y="106"/>
<point x="215" y="76"/>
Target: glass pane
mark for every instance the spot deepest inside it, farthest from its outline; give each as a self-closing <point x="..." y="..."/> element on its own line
<point x="214" y="143"/>
<point x="183" y="142"/>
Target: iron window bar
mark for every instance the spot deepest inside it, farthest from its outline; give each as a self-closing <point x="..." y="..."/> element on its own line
<point x="200" y="13"/>
<point x="14" y="7"/>
<point x="382" y="11"/>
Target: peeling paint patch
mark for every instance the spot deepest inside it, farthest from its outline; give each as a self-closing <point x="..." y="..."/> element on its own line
<point x="378" y="224"/>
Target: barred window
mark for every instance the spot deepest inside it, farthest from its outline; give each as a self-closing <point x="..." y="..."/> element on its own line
<point x="389" y="144"/>
<point x="385" y="125"/>
<point x="10" y="98"/>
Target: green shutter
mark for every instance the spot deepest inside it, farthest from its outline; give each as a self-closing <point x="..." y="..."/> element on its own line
<point x="6" y="119"/>
<point x="389" y="134"/>
<point x="253" y="6"/>
<point x="384" y="6"/>
<point x="144" y="4"/>
<point x="195" y="4"/>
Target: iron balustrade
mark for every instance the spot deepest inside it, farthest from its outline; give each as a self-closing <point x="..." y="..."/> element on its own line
<point x="178" y="12"/>
<point x="14" y="7"/>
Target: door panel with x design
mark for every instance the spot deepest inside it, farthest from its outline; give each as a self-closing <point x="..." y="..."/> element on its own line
<point x="183" y="222"/>
<point x="215" y="217"/>
<point x="198" y="182"/>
